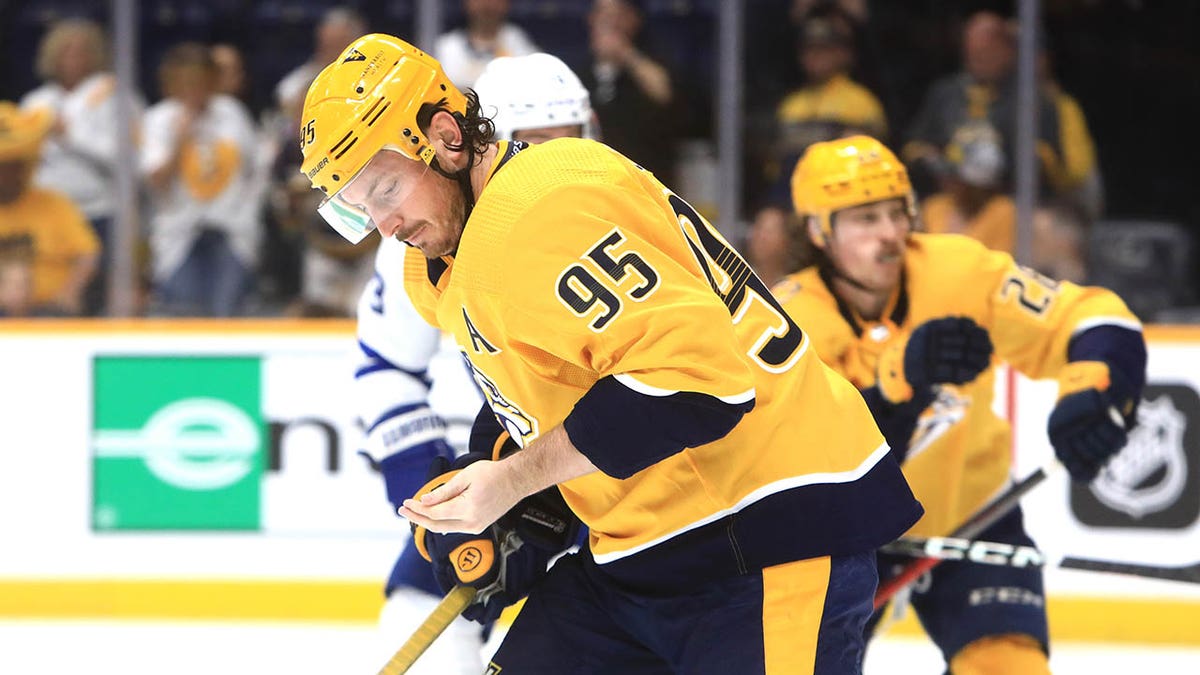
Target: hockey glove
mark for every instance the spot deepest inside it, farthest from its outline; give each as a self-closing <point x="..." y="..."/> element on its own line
<point x="950" y="350"/>
<point x="402" y="445"/>
<point x="1090" y="422"/>
<point x="497" y="562"/>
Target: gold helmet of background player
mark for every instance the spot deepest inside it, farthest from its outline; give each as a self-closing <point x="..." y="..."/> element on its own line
<point x="847" y="172"/>
<point x="22" y="131"/>
<point x="366" y="101"/>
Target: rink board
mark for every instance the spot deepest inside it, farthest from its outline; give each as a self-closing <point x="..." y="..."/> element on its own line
<point x="193" y="469"/>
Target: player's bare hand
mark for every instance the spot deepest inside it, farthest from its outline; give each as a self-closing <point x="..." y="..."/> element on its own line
<point x="469" y="502"/>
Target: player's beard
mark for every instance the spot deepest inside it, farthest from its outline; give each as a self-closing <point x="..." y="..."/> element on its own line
<point x="449" y="230"/>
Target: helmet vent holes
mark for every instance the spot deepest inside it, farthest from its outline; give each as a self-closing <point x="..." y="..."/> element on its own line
<point x="372" y="109"/>
<point x="344" y="139"/>
<point x="443" y="87"/>
<point x="406" y="133"/>
<point x="336" y="177"/>
<point x="378" y="113"/>
<point x="346" y="149"/>
<point x="358" y="90"/>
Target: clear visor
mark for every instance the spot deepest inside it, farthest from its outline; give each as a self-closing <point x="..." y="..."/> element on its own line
<point x="373" y="194"/>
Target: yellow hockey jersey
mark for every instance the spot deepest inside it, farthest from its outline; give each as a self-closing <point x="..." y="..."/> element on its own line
<point x="577" y="265"/>
<point x="55" y="234"/>
<point x="960" y="454"/>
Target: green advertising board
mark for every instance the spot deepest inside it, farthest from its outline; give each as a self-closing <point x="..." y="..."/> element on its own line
<point x="177" y="443"/>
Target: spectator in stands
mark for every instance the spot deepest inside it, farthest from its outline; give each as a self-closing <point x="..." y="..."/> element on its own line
<point x="1077" y="178"/>
<point x="231" y="71"/>
<point x="985" y="91"/>
<point x="40" y="229"/>
<point x="334" y="272"/>
<point x="855" y="10"/>
<point x="632" y="93"/>
<point x="232" y="81"/>
<point x="463" y="52"/>
<point x="972" y="200"/>
<point x="338" y="27"/>
<point x="79" y="156"/>
<point x="197" y="159"/>
<point x="773" y="247"/>
<point x="830" y="104"/>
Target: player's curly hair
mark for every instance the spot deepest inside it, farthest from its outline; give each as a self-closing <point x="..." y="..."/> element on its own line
<point x="477" y="130"/>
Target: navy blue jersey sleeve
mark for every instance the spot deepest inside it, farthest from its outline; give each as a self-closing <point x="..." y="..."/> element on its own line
<point x="1124" y="350"/>
<point x="623" y="431"/>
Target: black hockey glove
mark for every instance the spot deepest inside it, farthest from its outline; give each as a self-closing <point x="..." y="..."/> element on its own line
<point x="1090" y="422"/>
<point x="950" y="350"/>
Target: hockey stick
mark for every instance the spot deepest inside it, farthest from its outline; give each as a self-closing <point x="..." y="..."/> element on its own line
<point x="1009" y="555"/>
<point x="1185" y="573"/>
<point x="983" y="519"/>
<point x="438" y="620"/>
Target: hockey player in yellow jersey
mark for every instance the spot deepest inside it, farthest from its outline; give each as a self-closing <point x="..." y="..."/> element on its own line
<point x="734" y="486"/>
<point x="912" y="319"/>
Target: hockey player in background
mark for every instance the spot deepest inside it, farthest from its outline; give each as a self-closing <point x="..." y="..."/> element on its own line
<point x="912" y="320"/>
<point x="734" y="487"/>
<point x="417" y="396"/>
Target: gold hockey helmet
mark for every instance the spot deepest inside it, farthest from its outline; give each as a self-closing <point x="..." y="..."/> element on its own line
<point x="365" y="102"/>
<point x="846" y="172"/>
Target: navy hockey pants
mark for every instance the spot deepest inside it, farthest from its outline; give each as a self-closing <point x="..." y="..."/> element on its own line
<point x="801" y="617"/>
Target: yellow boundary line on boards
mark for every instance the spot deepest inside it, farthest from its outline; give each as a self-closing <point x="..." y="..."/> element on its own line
<point x="1110" y="620"/>
<point x="1172" y="333"/>
<point x="70" y="327"/>
<point x="215" y="600"/>
<point x="1154" y="332"/>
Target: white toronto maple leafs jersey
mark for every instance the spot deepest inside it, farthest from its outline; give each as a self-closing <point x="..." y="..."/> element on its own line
<point x="425" y="366"/>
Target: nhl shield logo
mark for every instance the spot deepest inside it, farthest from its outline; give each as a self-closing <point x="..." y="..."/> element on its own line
<point x="1154" y="482"/>
<point x="1150" y="473"/>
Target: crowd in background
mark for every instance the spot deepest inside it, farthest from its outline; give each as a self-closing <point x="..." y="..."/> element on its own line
<point x="229" y="226"/>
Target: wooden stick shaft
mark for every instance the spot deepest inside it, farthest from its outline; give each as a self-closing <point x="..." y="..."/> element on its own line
<point x="438" y="620"/>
